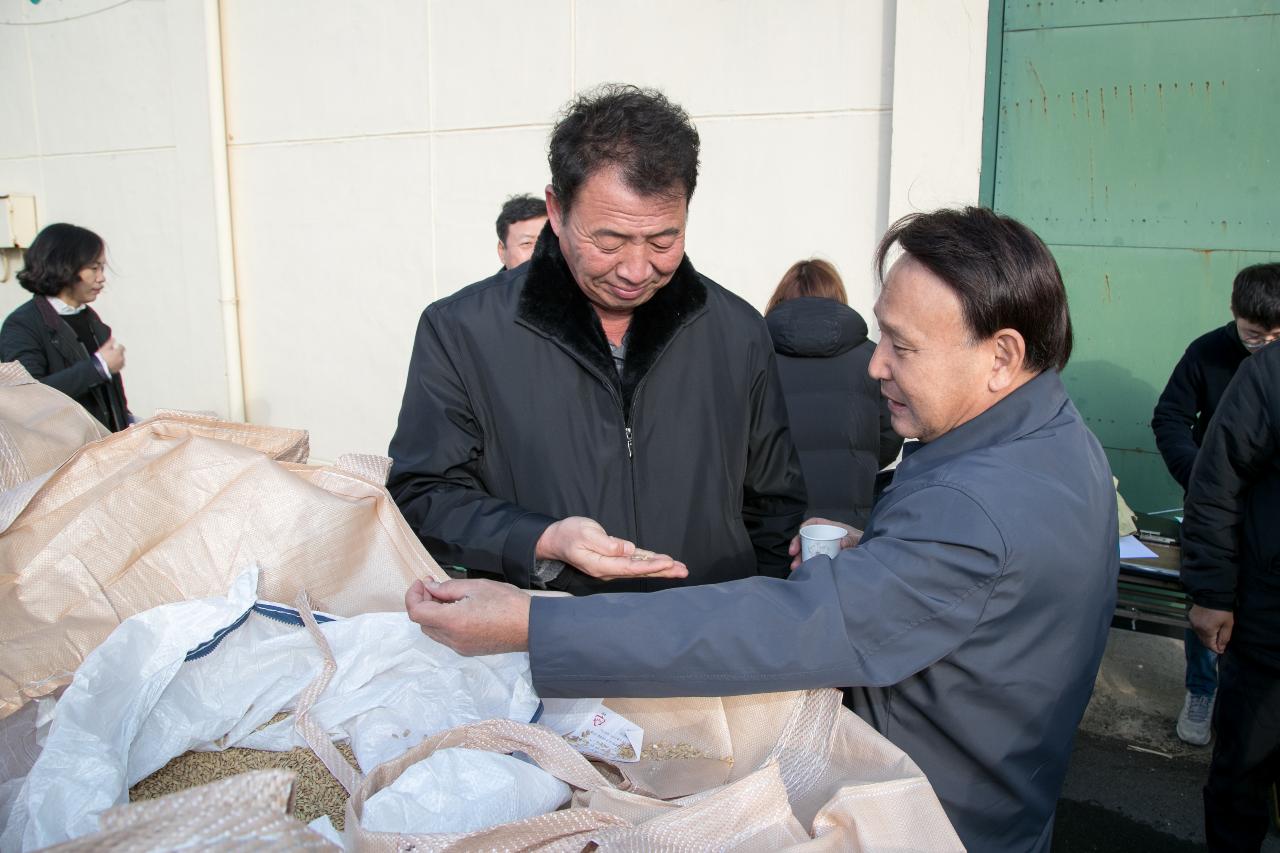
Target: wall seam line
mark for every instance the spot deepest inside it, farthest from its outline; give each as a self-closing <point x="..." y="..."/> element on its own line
<point x="431" y="161"/>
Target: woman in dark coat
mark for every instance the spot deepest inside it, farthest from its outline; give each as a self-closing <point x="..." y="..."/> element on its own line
<point x="839" y="421"/>
<point x="56" y="336"/>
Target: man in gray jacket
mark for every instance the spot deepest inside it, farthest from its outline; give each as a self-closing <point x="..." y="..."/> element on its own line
<point x="972" y="616"/>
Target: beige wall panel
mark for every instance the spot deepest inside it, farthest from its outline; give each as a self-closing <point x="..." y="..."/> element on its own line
<point x="474" y="173"/>
<point x="334" y="263"/>
<point x="742" y="56"/>
<point x="774" y="191"/>
<point x="494" y="62"/>
<point x="18" y="132"/>
<point x="102" y="81"/>
<point x="937" y="117"/>
<point x="169" y="324"/>
<point x="297" y="69"/>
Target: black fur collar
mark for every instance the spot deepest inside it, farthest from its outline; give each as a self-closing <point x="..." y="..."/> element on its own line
<point x="553" y="304"/>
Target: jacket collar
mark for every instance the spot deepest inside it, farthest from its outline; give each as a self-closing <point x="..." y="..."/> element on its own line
<point x="48" y="314"/>
<point x="61" y="335"/>
<point x="1024" y="411"/>
<point x="552" y="304"/>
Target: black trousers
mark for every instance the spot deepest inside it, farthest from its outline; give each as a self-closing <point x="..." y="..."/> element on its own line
<point x="1246" y="754"/>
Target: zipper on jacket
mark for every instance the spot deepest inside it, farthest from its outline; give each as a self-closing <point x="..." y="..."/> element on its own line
<point x="630" y="450"/>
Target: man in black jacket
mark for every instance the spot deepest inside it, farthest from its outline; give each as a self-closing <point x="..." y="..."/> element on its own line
<point x="1183" y="413"/>
<point x="1231" y="568"/>
<point x="604" y="386"/>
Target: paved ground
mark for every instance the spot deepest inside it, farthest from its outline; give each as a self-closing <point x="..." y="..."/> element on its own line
<point x="1132" y="785"/>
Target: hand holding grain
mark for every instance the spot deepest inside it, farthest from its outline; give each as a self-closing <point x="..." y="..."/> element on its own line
<point x="584" y="544"/>
<point x="471" y="617"/>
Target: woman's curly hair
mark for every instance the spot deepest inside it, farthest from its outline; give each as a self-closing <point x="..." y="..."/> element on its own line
<point x="55" y="258"/>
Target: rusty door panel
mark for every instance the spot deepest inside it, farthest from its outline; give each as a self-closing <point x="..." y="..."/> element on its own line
<point x="1134" y="311"/>
<point x="1030" y="14"/>
<point x="1137" y="135"/>
<point x="1141" y="144"/>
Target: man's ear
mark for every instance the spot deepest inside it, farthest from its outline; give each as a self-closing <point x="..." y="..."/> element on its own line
<point x="502" y="253"/>
<point x="1009" y="352"/>
<point x="554" y="214"/>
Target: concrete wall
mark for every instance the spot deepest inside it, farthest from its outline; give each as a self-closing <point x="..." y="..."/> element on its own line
<point x="369" y="146"/>
<point x="105" y="119"/>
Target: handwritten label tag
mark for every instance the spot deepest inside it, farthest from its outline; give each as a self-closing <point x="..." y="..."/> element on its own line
<point x="593" y="729"/>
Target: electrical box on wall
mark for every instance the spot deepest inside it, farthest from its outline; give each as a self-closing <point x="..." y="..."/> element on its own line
<point x="17" y="221"/>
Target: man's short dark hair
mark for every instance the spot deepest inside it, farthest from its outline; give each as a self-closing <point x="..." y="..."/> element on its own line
<point x="55" y="257"/>
<point x="1255" y="295"/>
<point x="650" y="140"/>
<point x="518" y="208"/>
<point x="1003" y="274"/>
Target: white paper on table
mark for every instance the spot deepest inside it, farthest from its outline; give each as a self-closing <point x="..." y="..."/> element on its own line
<point x="1132" y="549"/>
<point x="593" y="729"/>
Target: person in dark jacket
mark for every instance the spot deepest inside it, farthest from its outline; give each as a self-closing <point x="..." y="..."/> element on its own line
<point x="839" y="421"/>
<point x="1181" y="416"/>
<point x="1231" y="569"/>
<point x="57" y="337"/>
<point x="973" y="614"/>
<point x="604" y="394"/>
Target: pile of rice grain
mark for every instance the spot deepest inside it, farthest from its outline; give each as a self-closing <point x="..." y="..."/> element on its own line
<point x="316" y="792"/>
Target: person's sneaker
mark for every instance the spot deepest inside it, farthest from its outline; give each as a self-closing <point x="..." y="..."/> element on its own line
<point x="1193" y="722"/>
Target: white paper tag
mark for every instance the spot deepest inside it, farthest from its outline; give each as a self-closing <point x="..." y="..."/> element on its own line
<point x="593" y="729"/>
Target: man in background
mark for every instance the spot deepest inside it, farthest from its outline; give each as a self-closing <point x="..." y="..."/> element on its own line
<point x="1231" y="568"/>
<point x="1181" y="417"/>
<point x="519" y="224"/>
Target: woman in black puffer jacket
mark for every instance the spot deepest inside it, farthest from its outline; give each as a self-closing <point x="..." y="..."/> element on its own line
<point x="839" y="421"/>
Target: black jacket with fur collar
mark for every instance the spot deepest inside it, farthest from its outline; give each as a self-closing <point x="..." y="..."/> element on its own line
<point x="514" y="417"/>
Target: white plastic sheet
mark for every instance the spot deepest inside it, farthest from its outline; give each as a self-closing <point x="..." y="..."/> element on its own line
<point x="137" y="702"/>
<point x="463" y="790"/>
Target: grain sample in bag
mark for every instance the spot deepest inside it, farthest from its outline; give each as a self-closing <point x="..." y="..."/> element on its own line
<point x="212" y="673"/>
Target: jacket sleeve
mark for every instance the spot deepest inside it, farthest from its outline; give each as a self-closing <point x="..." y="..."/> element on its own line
<point x="773" y="493"/>
<point x="1175" y="415"/>
<point x="22" y="343"/>
<point x="1239" y="443"/>
<point x="436" y="472"/>
<point x="873" y="616"/>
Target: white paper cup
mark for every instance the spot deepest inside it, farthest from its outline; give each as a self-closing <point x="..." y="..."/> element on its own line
<point x="820" y="539"/>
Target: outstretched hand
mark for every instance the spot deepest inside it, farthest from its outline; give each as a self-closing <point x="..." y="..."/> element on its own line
<point x="584" y="544"/>
<point x="471" y="617"/>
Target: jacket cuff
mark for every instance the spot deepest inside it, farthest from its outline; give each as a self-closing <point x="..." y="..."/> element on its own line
<point x="1215" y="600"/>
<point x="518" y="550"/>
<point x="548" y="640"/>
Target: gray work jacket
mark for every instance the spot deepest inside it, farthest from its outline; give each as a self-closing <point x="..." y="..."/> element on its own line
<point x="972" y="617"/>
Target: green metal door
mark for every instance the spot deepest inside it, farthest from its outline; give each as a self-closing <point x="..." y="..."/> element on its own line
<point x="1140" y="140"/>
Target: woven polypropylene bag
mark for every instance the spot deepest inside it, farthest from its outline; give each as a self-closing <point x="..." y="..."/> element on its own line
<point x="40" y="427"/>
<point x="251" y="811"/>
<point x="172" y="509"/>
<point x="806" y="774"/>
